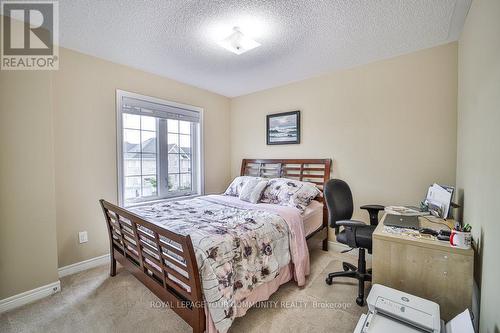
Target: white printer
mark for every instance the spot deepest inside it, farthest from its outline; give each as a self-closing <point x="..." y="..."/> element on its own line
<point x="391" y="310"/>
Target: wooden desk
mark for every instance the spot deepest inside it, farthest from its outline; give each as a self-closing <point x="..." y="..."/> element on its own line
<point x="424" y="267"/>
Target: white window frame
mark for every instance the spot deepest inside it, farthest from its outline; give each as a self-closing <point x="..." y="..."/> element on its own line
<point x="197" y="142"/>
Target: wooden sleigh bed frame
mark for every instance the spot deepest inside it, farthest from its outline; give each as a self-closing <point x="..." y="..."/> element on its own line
<point x="165" y="261"/>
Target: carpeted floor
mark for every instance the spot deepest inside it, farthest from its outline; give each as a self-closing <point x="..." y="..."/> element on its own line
<point x="91" y="301"/>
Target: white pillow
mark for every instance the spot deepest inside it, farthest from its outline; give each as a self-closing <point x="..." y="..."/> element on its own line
<point x="236" y="185"/>
<point x="252" y="190"/>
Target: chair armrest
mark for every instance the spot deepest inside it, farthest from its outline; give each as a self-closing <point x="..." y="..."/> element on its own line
<point x="373" y="212"/>
<point x="374" y="207"/>
<point x="349" y="223"/>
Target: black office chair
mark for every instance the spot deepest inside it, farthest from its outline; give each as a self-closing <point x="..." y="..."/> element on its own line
<point x="355" y="234"/>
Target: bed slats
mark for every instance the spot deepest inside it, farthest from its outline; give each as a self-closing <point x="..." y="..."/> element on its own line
<point x="160" y="258"/>
<point x="316" y="171"/>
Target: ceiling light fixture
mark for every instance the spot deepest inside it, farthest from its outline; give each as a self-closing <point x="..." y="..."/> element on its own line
<point x="238" y="43"/>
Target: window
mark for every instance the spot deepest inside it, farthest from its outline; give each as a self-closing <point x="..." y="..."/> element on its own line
<point x="159" y="149"/>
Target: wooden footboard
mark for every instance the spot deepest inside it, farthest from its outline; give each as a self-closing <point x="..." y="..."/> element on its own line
<point x="162" y="260"/>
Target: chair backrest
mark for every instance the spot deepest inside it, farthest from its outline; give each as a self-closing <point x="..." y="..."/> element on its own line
<point x="338" y="199"/>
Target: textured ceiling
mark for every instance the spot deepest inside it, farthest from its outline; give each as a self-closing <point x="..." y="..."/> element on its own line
<point x="300" y="39"/>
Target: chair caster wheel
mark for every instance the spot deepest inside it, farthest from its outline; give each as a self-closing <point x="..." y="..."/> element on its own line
<point x="329" y="281"/>
<point x="360" y="301"/>
<point x="345" y="267"/>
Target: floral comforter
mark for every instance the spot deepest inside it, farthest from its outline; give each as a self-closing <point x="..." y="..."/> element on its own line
<point x="238" y="246"/>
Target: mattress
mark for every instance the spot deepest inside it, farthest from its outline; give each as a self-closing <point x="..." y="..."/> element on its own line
<point x="313" y="217"/>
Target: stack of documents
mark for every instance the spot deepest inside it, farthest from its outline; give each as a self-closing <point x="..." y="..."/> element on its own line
<point x="439" y="200"/>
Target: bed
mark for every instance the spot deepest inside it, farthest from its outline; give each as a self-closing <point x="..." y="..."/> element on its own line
<point x="211" y="258"/>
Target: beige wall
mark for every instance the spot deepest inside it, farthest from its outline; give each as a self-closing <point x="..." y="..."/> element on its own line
<point x="85" y="143"/>
<point x="389" y="126"/>
<point x="28" y="247"/>
<point x="478" y="162"/>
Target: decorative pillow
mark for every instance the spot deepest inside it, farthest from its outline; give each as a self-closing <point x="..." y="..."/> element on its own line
<point x="290" y="192"/>
<point x="303" y="197"/>
<point x="252" y="190"/>
<point x="235" y="187"/>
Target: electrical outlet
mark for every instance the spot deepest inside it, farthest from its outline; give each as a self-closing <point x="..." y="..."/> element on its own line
<point x="83" y="237"/>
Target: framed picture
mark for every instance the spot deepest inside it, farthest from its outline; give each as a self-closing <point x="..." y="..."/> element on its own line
<point x="283" y="128"/>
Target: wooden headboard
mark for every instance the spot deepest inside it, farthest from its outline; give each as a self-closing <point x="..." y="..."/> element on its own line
<point x="315" y="171"/>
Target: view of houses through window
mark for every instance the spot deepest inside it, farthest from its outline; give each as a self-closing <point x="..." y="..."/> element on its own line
<point x="179" y="155"/>
<point x="141" y="155"/>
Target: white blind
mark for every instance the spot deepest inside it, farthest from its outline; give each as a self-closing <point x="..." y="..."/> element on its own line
<point x="146" y="108"/>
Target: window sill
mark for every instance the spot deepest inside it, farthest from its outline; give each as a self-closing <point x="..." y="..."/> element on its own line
<point x="151" y="202"/>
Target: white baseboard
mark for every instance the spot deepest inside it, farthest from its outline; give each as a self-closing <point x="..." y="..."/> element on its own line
<point x="83" y="265"/>
<point x="52" y="288"/>
<point x="29" y="296"/>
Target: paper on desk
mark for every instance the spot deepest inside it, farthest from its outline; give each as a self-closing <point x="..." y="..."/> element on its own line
<point x="462" y="323"/>
<point x="407" y="232"/>
<point x="404" y="210"/>
<point x="440" y="197"/>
